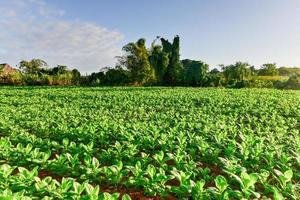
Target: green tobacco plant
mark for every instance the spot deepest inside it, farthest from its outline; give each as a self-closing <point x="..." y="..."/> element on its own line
<point x="184" y="143"/>
<point x="221" y="186"/>
<point x="114" y="173"/>
<point x="198" y="191"/>
<point x="246" y="182"/>
<point x="185" y="184"/>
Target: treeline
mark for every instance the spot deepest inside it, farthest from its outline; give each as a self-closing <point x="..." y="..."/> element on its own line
<point x="37" y="72"/>
<point x="158" y="65"/>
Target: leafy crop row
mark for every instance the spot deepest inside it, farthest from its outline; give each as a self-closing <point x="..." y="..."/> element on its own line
<point x="123" y="143"/>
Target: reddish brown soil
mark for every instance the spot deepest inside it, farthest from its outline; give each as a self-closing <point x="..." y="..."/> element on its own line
<point x="170" y="162"/>
<point x="259" y="187"/>
<point x="214" y="169"/>
<point x="133" y="193"/>
<point x="173" y="182"/>
<point x="44" y="173"/>
<point x="16" y="171"/>
<point x="210" y="184"/>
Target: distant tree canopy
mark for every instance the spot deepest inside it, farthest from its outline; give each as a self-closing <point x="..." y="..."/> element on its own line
<point x="32" y="67"/>
<point x="215" y="78"/>
<point x="289" y="71"/>
<point x="293" y="82"/>
<point x="160" y="65"/>
<point x="238" y="71"/>
<point x="112" y="76"/>
<point x="136" y="60"/>
<point x="174" y="70"/>
<point x="38" y="72"/>
<point x="159" y="60"/>
<point x="60" y="69"/>
<point x="269" y="69"/>
<point x="76" y="77"/>
<point x="195" y="72"/>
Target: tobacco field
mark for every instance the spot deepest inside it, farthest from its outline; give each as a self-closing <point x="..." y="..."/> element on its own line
<point x="149" y="143"/>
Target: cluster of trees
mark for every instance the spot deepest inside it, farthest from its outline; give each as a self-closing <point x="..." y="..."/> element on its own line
<point x="37" y="72"/>
<point x="268" y="75"/>
<point x="160" y="65"/>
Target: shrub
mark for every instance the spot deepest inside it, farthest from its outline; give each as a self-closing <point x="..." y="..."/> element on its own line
<point x="293" y="82"/>
<point x="259" y="84"/>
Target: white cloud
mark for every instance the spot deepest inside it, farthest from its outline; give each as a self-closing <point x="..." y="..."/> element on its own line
<point x="33" y="29"/>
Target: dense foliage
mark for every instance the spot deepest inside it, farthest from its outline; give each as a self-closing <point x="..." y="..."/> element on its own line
<point x="184" y="143"/>
<point x="158" y="65"/>
<point x="137" y="62"/>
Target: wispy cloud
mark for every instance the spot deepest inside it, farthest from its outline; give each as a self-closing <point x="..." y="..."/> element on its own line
<point x="34" y="29"/>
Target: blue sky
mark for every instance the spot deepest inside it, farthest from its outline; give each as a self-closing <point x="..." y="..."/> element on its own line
<point x="89" y="34"/>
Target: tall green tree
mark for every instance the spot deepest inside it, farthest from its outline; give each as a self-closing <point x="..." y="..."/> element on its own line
<point x="238" y="71"/>
<point x="60" y="69"/>
<point x="136" y="60"/>
<point x="174" y="71"/>
<point x="269" y="69"/>
<point x="215" y="78"/>
<point x="76" y="77"/>
<point x="159" y="61"/>
<point x="34" y="66"/>
<point x="116" y="76"/>
<point x="195" y="72"/>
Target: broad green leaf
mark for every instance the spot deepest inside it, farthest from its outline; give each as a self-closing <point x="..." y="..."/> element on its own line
<point x="221" y="183"/>
<point x="126" y="197"/>
<point x="288" y="175"/>
<point x="277" y="195"/>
